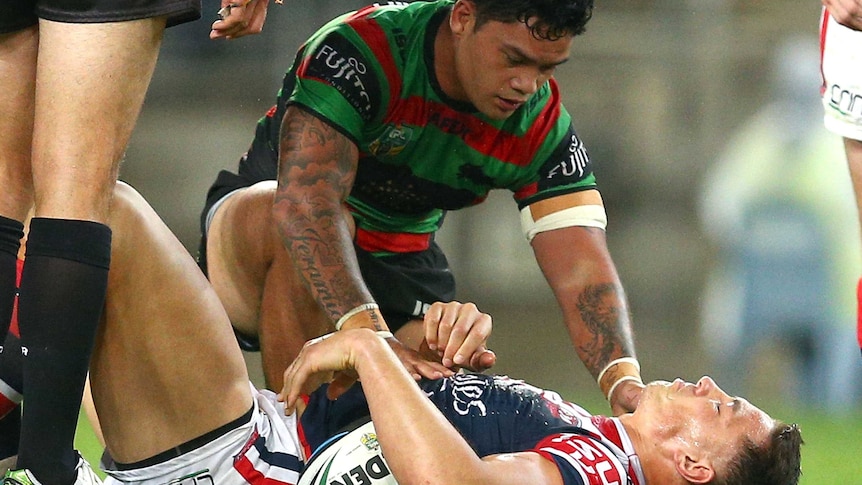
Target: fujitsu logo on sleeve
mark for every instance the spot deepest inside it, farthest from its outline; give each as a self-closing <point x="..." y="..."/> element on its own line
<point x="592" y="461"/>
<point x="340" y="64"/>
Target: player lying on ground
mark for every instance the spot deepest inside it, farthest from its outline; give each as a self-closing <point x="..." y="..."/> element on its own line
<point x="175" y="403"/>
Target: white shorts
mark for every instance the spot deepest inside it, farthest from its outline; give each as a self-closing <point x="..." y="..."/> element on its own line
<point x="266" y="449"/>
<point x="841" y="66"/>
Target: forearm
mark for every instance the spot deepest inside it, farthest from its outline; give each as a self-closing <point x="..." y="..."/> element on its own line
<point x="420" y="445"/>
<point x="588" y="290"/>
<point x="317" y="165"/>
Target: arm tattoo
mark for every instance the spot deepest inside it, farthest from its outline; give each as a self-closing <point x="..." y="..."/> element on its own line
<point x="605" y="318"/>
<point x="317" y="166"/>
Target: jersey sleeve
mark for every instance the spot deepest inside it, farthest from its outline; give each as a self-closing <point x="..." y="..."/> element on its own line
<point x="339" y="79"/>
<point x="582" y="460"/>
<point x="563" y="165"/>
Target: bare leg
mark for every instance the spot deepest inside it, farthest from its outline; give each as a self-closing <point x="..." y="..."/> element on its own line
<point x="18" y="78"/>
<point x="166" y="367"/>
<point x="91" y="80"/>
<point x="257" y="282"/>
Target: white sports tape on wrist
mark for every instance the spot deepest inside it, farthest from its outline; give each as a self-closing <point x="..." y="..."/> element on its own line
<point x="361" y="308"/>
<point x="581" y="215"/>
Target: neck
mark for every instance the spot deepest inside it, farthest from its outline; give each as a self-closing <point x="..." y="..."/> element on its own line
<point x="656" y="463"/>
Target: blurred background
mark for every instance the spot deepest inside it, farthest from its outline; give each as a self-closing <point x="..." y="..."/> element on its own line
<point x="691" y="111"/>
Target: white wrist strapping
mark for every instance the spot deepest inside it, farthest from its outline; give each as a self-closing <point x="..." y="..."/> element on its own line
<point x="620" y="381"/>
<point x="626" y="377"/>
<point x="384" y="334"/>
<point x="361" y="308"/>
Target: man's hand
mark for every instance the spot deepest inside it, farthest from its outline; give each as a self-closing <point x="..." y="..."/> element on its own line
<point x="239" y="17"/>
<point x="626" y="397"/>
<point x="417" y="365"/>
<point x="846" y="12"/>
<point x="458" y="332"/>
<point x="320" y="362"/>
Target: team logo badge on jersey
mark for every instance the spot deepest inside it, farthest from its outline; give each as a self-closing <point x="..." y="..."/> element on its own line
<point x="392" y="141"/>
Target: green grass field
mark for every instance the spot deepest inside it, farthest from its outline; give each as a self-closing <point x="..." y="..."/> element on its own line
<point x="832" y="453"/>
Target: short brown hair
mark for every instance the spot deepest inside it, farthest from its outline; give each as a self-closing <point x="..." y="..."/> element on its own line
<point x="775" y="462"/>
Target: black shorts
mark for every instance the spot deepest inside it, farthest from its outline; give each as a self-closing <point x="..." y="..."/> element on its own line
<point x="404" y="285"/>
<point x="20" y="14"/>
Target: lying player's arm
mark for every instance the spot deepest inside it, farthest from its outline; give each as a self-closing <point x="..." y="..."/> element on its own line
<point x="420" y="445"/>
<point x="568" y="240"/>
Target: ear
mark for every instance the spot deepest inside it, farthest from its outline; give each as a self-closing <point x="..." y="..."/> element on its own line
<point x="693" y="467"/>
<point x="463" y="17"/>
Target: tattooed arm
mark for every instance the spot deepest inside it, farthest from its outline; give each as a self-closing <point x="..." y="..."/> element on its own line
<point x="317" y="167"/>
<point x="579" y="270"/>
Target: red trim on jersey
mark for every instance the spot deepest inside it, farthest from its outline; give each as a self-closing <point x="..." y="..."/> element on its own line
<point x="476" y="133"/>
<point x="859" y="313"/>
<point x="303" y="441"/>
<point x="6" y="405"/>
<point x="824" y="21"/>
<point x="375" y="38"/>
<point x="393" y="242"/>
<point x="13" y="324"/>
<point x="251" y="475"/>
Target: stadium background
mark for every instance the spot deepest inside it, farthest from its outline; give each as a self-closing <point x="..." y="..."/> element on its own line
<point x="655" y="88"/>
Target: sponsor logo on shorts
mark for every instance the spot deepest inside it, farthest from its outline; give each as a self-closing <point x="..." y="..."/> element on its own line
<point x="845" y="100"/>
<point x="202" y="477"/>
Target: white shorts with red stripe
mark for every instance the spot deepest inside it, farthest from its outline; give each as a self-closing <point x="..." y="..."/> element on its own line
<point x="841" y="66"/>
<point x="265" y="450"/>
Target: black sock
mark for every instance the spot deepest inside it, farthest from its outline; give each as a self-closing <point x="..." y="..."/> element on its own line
<point x="61" y="297"/>
<point x="10" y="433"/>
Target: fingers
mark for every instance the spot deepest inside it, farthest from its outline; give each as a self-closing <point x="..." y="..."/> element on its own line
<point x="626" y="397"/>
<point x="415" y="364"/>
<point x="483" y="360"/>
<point x="317" y="363"/>
<point x="238" y="18"/>
<point x="457" y="331"/>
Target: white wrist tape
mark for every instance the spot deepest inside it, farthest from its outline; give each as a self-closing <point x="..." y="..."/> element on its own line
<point x="581" y="215"/>
<point x="620" y="381"/>
<point x="630" y="369"/>
<point x="621" y="360"/>
<point x="361" y="308"/>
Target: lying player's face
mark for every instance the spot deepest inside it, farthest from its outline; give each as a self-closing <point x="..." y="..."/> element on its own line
<point x="704" y="414"/>
<point x="500" y="65"/>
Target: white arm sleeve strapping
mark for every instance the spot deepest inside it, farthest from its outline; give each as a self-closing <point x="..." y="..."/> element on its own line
<point x="582" y="215"/>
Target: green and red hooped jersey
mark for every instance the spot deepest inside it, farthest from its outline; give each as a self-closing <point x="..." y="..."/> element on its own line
<point x="369" y="74"/>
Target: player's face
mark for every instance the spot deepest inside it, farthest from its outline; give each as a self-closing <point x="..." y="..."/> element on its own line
<point x="704" y="415"/>
<point x="500" y="65"/>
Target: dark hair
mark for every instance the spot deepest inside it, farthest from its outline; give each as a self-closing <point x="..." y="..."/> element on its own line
<point x="547" y="19"/>
<point x="776" y="462"/>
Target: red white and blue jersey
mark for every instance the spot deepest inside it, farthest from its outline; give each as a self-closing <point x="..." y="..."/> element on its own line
<point x="497" y="414"/>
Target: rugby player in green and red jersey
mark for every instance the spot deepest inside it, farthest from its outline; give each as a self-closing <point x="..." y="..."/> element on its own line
<point x="389" y="117"/>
